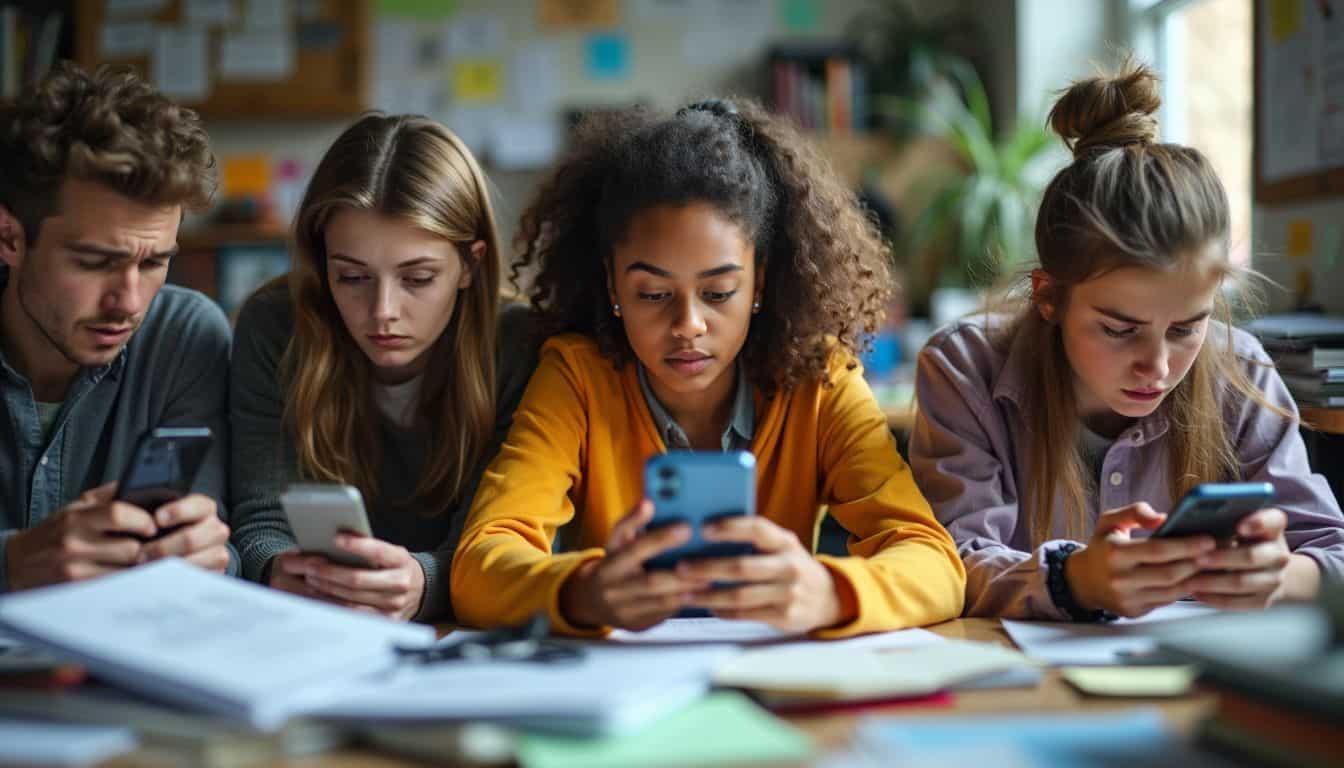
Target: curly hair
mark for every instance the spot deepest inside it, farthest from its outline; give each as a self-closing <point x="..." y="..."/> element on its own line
<point x="827" y="277"/>
<point x="110" y="127"/>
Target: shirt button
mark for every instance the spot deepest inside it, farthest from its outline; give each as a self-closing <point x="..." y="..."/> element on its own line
<point x="44" y="461"/>
<point x="1136" y="437"/>
<point x="1117" y="478"/>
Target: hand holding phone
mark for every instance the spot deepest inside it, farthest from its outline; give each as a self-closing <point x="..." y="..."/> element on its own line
<point x="163" y="468"/>
<point x="317" y="512"/>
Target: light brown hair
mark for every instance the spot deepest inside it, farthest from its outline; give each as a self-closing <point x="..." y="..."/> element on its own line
<point x="414" y="169"/>
<point x="1126" y="200"/>
<point x="110" y="127"/>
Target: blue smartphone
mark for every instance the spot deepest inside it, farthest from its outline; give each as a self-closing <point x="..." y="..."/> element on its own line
<point x="1214" y="509"/>
<point x="163" y="468"/>
<point x="699" y="487"/>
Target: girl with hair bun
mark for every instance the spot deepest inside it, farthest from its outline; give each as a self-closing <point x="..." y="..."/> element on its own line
<point x="1054" y="428"/>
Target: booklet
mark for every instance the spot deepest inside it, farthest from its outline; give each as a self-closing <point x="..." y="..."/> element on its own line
<point x="213" y="643"/>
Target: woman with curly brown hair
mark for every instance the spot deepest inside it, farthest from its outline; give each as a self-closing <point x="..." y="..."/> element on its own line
<point x="710" y="282"/>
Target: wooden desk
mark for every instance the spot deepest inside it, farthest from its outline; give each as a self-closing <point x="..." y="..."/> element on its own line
<point x="834" y="731"/>
<point x="1325" y="419"/>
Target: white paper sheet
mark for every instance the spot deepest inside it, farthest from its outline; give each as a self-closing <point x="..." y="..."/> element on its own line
<point x="258" y="55"/>
<point x="706" y="630"/>
<point x="177" y="633"/>
<point x="533" y="84"/>
<point x="267" y="14"/>
<point x="26" y="742"/>
<point x="844" y="673"/>
<point x="124" y="8"/>
<point x="117" y="40"/>
<point x="474" y="36"/>
<point x="1066" y="643"/>
<point x="205" y="12"/>
<point x="181" y="69"/>
<point x="522" y="142"/>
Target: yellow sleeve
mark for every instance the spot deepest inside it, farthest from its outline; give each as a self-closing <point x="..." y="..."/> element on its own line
<point x="903" y="569"/>
<point x="503" y="571"/>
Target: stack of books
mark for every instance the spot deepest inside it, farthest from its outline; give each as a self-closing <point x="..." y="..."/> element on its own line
<point x="1309" y="353"/>
<point x="1278" y="676"/>
<point x="820" y="87"/>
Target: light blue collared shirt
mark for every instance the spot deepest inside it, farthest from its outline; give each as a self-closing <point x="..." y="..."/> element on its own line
<point x="736" y="436"/>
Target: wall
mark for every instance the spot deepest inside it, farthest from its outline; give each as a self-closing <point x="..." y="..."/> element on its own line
<point x="720" y="60"/>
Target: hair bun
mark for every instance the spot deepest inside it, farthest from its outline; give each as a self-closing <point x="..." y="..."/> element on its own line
<point x="1108" y="112"/>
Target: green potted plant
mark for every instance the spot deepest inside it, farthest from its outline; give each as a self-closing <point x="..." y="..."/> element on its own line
<point x="974" y="219"/>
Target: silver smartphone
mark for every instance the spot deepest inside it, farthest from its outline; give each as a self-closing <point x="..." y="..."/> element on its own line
<point x="319" y="511"/>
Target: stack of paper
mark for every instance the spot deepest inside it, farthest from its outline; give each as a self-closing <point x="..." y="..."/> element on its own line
<point x="174" y="632"/>
<point x="611" y="689"/>
<point x="820" y="672"/>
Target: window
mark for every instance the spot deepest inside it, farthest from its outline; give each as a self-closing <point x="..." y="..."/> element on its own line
<point x="1203" y="51"/>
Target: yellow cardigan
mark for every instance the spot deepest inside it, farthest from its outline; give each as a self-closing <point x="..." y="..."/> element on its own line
<point x="579" y="441"/>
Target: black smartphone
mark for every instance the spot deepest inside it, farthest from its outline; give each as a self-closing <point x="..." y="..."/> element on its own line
<point x="1214" y="509"/>
<point x="163" y="466"/>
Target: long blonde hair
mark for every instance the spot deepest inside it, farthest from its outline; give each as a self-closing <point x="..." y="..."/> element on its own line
<point x="1125" y="201"/>
<point x="413" y="169"/>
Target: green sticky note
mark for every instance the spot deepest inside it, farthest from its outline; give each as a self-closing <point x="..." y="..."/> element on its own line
<point x="417" y="9"/>
<point x="799" y="15"/>
<point x="720" y="728"/>
<point x="1142" y="681"/>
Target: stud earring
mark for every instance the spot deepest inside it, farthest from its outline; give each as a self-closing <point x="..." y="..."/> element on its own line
<point x="755" y="307"/>
<point x="616" y="309"/>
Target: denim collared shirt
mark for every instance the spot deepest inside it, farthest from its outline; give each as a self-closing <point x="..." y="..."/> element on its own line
<point x="969" y="446"/>
<point x="741" y="423"/>
<point x="174" y="371"/>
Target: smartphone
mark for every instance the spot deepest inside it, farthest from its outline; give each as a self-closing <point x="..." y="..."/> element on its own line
<point x="319" y="511"/>
<point x="1214" y="509"/>
<point x="163" y="468"/>
<point x="699" y="487"/>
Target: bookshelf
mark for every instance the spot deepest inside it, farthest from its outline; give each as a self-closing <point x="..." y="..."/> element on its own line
<point x="34" y="35"/>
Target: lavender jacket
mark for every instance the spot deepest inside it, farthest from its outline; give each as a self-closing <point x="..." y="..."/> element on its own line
<point x="968" y="448"/>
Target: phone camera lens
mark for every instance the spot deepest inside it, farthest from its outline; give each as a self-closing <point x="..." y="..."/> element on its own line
<point x="667" y="473"/>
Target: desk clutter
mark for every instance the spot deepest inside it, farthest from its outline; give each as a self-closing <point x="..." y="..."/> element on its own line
<point x="1308" y="350"/>
<point x="175" y="669"/>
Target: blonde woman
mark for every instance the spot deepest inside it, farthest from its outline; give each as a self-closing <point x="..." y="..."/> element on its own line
<point x="374" y="363"/>
<point x="1048" y="437"/>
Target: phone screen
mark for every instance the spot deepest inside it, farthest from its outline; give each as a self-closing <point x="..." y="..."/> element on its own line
<point x="164" y="466"/>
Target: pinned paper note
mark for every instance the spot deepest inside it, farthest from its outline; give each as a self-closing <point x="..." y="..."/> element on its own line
<point x="1285" y="16"/>
<point x="1299" y="238"/>
<point x="180" y="65"/>
<point x="259" y="55"/>
<point x="207" y="12"/>
<point x="533" y="82"/>
<point x="125" y="8"/>
<point x="474" y="35"/>
<point x="119" y="40"/>
<point x="478" y="81"/>
<point x="608" y="57"/>
<point x="522" y="142"/>
<point x="579" y="14"/>
<point x="267" y="14"/>
<point x="245" y="176"/>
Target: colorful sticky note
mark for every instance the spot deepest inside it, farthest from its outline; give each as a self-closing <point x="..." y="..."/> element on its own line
<point x="418" y="9"/>
<point x="608" y="57"/>
<point x="1285" y="16"/>
<point x="720" y="728"/>
<point x="799" y="15"/>
<point x="1299" y="238"/>
<point x="1140" y="681"/>
<point x="245" y="176"/>
<point x="579" y="14"/>
<point x="478" y="81"/>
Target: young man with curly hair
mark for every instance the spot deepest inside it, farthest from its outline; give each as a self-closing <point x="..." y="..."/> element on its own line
<point x="710" y="282"/>
<point x="95" y="171"/>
